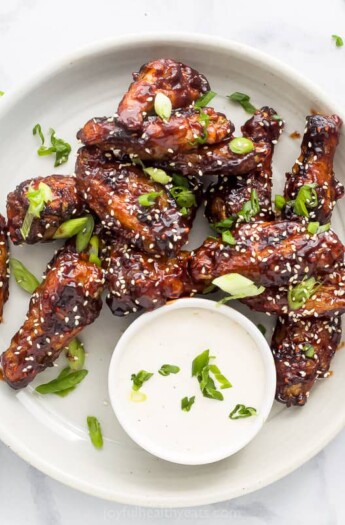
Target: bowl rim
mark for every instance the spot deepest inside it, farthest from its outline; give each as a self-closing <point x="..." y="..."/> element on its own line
<point x="148" y="318"/>
<point x="195" y="39"/>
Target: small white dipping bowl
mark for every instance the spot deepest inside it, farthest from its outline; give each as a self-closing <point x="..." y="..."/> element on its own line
<point x="175" y="334"/>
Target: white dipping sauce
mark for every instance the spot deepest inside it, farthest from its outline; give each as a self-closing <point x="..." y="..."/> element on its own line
<point x="159" y="424"/>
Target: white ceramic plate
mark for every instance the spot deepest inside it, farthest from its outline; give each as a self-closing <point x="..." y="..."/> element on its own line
<point x="49" y="432"/>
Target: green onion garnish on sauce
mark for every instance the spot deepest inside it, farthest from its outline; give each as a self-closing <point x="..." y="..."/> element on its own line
<point x="140" y="378"/>
<point x="166" y="370"/>
<point x="338" y="40"/>
<point x="241" y="145"/>
<point x="204" y="99"/>
<point x="163" y="106"/>
<point x="237" y="286"/>
<point x="37" y="198"/>
<point x="148" y="199"/>
<point x="241" y="411"/>
<point x="186" y="403"/>
<point x="299" y="294"/>
<point x="250" y="208"/>
<point x="201" y="369"/>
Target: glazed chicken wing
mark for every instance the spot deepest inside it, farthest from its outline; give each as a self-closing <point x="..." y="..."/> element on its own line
<point x="66" y="204"/>
<point x="302" y="353"/>
<point x="315" y="166"/>
<point x="182" y="84"/>
<point x="4" y="267"/>
<point x="215" y="160"/>
<point x="226" y="197"/>
<point x="159" y="139"/>
<point x="138" y="281"/>
<point x="112" y="191"/>
<point x="328" y="299"/>
<point x="68" y="299"/>
<point x="268" y="253"/>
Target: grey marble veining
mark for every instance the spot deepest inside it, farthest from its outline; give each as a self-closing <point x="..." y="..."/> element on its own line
<point x="34" y="33"/>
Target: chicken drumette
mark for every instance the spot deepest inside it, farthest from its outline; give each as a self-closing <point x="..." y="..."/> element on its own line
<point x="68" y="299"/>
<point x="302" y="353"/>
<point x="315" y="166"/>
<point x="138" y="281"/>
<point x="180" y="83"/>
<point x="4" y="267"/>
<point x="159" y="139"/>
<point x="66" y="204"/>
<point x="113" y="191"/>
<point x="226" y="197"/>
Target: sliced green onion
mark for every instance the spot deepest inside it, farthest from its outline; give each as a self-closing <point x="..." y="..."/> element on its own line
<point x="237" y="286"/>
<point x="308" y="350"/>
<point x="166" y="370"/>
<point x="184" y="197"/>
<point x="158" y="175"/>
<point x="222" y="380"/>
<point x="315" y="228"/>
<point x="93" y="251"/>
<point x="241" y="411"/>
<point x="64" y="373"/>
<point x="299" y="294"/>
<point x="201" y="370"/>
<point x="85" y="234"/>
<point x="62" y="383"/>
<point x="37" y="199"/>
<point x="140" y="378"/>
<point x="241" y="145"/>
<point x="186" y="403"/>
<point x="24" y="278"/>
<point x="199" y="362"/>
<point x="75" y="354"/>
<point x="223" y="225"/>
<point x="228" y="238"/>
<point x="95" y="432"/>
<point x="70" y="228"/>
<point x="277" y="117"/>
<point x="279" y="202"/>
<point x="306" y="198"/>
<point x="243" y="100"/>
<point x="338" y="40"/>
<point x="163" y="106"/>
<point x="204" y="99"/>
<point x="2" y="93"/>
<point x="250" y="208"/>
<point x="180" y="180"/>
<point x="148" y="199"/>
<point x="58" y="146"/>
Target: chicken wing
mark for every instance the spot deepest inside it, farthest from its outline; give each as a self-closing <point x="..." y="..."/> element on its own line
<point x="68" y="299"/>
<point x="137" y="281"/>
<point x="315" y="166"/>
<point x="215" y="160"/>
<point x="269" y="253"/>
<point x="66" y="204"/>
<point x="302" y="353"/>
<point x="179" y="82"/>
<point x="112" y="191"/>
<point x="159" y="139"/>
<point x="226" y="197"/>
<point x="4" y="267"/>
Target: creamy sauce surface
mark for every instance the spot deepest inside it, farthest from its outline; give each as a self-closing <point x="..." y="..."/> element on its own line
<point x="176" y="338"/>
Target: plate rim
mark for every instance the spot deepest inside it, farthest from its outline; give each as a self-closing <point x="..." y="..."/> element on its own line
<point x="94" y="49"/>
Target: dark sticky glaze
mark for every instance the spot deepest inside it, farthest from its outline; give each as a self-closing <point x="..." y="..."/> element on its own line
<point x="269" y="253"/>
<point x="112" y="189"/>
<point x="4" y="266"/>
<point x="315" y="165"/>
<point x="297" y="373"/>
<point x="66" y="204"/>
<point x="215" y="160"/>
<point x="68" y="299"/>
<point x="137" y="281"/>
<point x="327" y="301"/>
<point x="227" y="196"/>
<point x="182" y="84"/>
<point x="158" y="139"/>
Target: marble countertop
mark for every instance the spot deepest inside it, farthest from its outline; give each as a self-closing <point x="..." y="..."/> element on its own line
<point x="34" y="33"/>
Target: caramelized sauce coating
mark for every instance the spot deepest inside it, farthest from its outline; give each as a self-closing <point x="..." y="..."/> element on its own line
<point x="66" y="204"/>
<point x="180" y="83"/>
<point x="68" y="299"/>
<point x="4" y="266"/>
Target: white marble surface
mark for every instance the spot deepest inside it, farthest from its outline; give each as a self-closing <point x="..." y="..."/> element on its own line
<point x="33" y="33"/>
